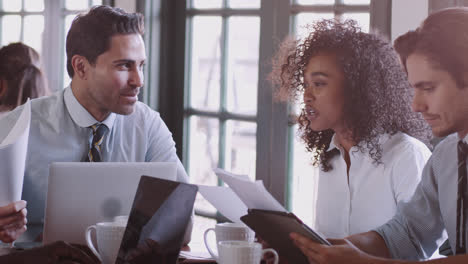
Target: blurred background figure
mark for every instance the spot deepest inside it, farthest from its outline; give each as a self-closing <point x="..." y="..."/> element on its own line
<point x="20" y="76"/>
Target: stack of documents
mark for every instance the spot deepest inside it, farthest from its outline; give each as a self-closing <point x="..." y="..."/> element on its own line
<point x="242" y="194"/>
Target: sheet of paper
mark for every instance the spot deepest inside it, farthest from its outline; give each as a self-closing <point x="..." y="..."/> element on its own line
<point x="225" y="201"/>
<point x="195" y="257"/>
<point x="225" y="173"/>
<point x="253" y="194"/>
<point x="13" y="150"/>
<point x="196" y="254"/>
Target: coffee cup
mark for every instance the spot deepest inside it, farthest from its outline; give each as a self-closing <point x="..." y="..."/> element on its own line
<point x="228" y="231"/>
<point x="234" y="252"/>
<point x="121" y="219"/>
<point x="108" y="236"/>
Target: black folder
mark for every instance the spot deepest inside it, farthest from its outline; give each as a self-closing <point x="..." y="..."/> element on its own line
<point x="156" y="226"/>
<point x="274" y="227"/>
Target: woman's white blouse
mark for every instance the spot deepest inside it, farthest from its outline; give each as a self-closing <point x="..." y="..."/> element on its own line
<point x="371" y="196"/>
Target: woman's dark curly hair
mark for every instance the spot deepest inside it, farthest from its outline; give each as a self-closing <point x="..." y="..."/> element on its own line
<point x="377" y="92"/>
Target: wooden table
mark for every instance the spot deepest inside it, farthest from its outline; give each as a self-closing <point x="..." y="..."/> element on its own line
<point x="196" y="249"/>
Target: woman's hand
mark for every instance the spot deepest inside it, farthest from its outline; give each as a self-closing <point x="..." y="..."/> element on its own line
<point x="12" y="221"/>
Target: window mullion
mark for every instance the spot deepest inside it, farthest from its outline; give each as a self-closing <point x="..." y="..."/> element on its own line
<point x="272" y="126"/>
<point x="223" y="92"/>
<point x="187" y="91"/>
<point x="52" y="40"/>
<point x="1" y="22"/>
<point x="380" y="17"/>
<point x="223" y="68"/>
<point x="22" y="28"/>
<point x="22" y="12"/>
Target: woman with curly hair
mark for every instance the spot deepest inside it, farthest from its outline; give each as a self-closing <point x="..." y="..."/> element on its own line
<point x="356" y="122"/>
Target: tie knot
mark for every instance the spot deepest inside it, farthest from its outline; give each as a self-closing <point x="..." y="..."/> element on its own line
<point x="94" y="153"/>
<point x="463" y="148"/>
<point x="98" y="133"/>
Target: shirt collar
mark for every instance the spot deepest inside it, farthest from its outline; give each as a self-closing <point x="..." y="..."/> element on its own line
<point x="334" y="144"/>
<point x="382" y="139"/>
<point x="80" y="115"/>
<point x="465" y="139"/>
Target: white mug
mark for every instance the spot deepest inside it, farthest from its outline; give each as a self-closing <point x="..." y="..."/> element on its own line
<point x="229" y="231"/>
<point x="121" y="219"/>
<point x="109" y="236"/>
<point x="235" y="252"/>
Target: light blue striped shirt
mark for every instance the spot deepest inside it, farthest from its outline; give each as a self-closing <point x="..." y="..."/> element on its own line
<point x="420" y="225"/>
<point x="60" y="132"/>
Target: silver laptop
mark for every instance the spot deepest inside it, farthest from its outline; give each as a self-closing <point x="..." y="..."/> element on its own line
<point x="81" y="194"/>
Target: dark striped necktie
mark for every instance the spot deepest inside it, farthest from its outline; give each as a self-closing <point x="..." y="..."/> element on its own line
<point x="461" y="198"/>
<point x="94" y="153"/>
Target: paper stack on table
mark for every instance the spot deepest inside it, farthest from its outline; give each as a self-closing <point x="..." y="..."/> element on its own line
<point x="13" y="149"/>
<point x="195" y="257"/>
<point x="242" y="194"/>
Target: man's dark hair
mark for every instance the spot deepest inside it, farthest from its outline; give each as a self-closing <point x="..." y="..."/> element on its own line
<point x="443" y="39"/>
<point x="90" y="33"/>
<point x="376" y="90"/>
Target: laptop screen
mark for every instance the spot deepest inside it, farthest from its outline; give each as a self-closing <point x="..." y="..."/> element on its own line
<point x="156" y="226"/>
<point x="99" y="191"/>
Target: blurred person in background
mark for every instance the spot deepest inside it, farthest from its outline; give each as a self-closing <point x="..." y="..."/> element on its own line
<point x="20" y="78"/>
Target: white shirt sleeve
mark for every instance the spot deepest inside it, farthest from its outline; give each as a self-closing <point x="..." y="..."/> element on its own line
<point x="407" y="170"/>
<point x="417" y="229"/>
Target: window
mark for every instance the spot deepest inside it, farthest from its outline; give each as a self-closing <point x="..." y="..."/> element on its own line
<point x="43" y="26"/>
<point x="22" y="20"/>
<point x="221" y="94"/>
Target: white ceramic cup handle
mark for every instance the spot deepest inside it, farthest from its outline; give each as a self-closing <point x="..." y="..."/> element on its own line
<point x="272" y="251"/>
<point x="89" y="241"/>
<point x="205" y="235"/>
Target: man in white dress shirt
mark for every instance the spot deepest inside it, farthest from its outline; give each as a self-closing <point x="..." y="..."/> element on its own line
<point x="436" y="59"/>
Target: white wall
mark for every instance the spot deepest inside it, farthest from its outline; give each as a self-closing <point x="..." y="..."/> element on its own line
<point x="407" y="15"/>
<point x="127" y="5"/>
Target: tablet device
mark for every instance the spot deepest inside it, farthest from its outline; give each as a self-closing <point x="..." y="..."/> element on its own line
<point x="274" y="227"/>
<point x="81" y="194"/>
<point x="158" y="219"/>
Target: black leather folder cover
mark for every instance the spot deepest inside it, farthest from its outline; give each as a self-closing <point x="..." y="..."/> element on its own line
<point x="156" y="226"/>
<point x="274" y="227"/>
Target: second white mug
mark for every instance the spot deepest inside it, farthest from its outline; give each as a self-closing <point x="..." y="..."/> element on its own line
<point x="109" y="236"/>
<point x="228" y="231"/>
<point x="235" y="252"/>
